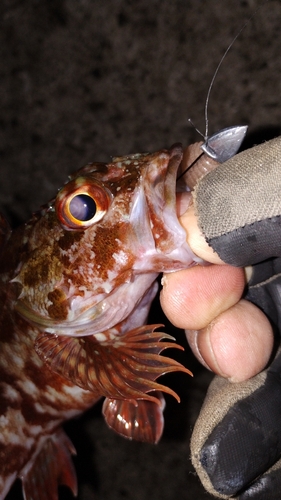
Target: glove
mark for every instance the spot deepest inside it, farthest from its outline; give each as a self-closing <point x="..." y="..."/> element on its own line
<point x="236" y="443"/>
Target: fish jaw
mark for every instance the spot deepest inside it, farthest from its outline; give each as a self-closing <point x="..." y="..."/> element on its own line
<point x="126" y="307"/>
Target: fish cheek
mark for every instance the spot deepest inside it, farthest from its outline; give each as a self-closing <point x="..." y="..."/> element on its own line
<point x="109" y="242"/>
<point x="41" y="268"/>
<point x="59" y="307"/>
<point x="69" y="238"/>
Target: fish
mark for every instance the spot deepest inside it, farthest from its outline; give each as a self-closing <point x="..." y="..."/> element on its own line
<point x="76" y="284"/>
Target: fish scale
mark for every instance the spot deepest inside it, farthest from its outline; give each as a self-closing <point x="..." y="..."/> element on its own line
<point x="75" y="294"/>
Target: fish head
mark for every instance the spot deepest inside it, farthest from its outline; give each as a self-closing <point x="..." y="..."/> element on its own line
<point x="91" y="256"/>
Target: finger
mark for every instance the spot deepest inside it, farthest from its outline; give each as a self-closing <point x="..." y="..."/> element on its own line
<point x="194" y="236"/>
<point x="194" y="297"/>
<point x="237" y="344"/>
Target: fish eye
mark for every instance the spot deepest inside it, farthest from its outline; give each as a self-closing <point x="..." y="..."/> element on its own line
<point x="82" y="207"/>
<point x="81" y="203"/>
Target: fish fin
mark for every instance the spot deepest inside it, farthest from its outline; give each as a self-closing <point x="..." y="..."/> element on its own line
<point x="50" y="467"/>
<point x="125" y="367"/>
<point x="139" y="420"/>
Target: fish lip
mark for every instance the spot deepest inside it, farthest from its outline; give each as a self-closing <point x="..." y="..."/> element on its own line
<point x="168" y="233"/>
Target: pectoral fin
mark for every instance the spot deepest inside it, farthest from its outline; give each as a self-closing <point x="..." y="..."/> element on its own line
<point x="125" y="367"/>
<point x="142" y="420"/>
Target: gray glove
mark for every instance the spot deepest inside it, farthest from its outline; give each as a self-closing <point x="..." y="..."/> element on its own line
<point x="236" y="443"/>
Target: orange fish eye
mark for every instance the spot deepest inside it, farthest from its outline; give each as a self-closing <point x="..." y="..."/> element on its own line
<point x="81" y="203"/>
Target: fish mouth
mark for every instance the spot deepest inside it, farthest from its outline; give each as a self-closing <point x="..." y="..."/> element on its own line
<point x="171" y="251"/>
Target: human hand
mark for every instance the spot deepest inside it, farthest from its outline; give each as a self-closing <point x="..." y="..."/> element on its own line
<point x="236" y="443"/>
<point x="229" y="335"/>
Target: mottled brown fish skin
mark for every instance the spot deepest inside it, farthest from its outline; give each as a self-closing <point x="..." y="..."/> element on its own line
<point x="60" y="277"/>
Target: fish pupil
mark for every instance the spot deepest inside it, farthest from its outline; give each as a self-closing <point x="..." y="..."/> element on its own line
<point x="82" y="207"/>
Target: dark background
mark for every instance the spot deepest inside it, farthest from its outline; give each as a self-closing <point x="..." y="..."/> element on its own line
<point x="82" y="80"/>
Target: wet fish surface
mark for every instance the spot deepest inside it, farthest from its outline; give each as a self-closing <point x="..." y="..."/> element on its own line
<point x="76" y="285"/>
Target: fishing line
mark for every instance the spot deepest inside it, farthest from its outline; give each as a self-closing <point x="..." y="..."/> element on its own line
<point x="205" y="136"/>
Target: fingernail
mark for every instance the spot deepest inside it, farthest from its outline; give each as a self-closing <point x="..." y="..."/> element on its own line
<point x="207" y="352"/>
<point x="192" y="338"/>
<point x="164" y="280"/>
